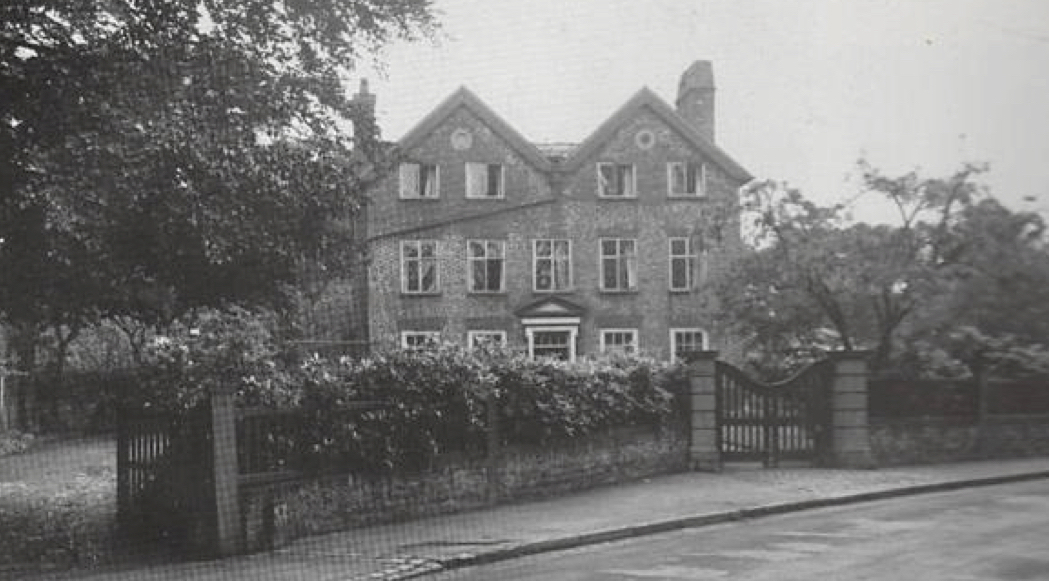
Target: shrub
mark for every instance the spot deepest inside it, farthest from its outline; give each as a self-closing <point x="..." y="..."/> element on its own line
<point x="433" y="401"/>
<point x="14" y="442"/>
<point x="209" y="350"/>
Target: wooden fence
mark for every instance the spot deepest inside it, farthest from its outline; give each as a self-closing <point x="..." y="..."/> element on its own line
<point x="163" y="471"/>
<point x="180" y="475"/>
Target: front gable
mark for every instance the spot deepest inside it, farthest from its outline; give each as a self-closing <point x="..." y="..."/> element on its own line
<point x="646" y="104"/>
<point x="475" y="165"/>
<point x="464" y="104"/>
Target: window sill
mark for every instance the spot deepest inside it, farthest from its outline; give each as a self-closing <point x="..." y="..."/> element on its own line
<point x="490" y="198"/>
<point x="687" y="196"/>
<point x="565" y="291"/>
<point x="420" y="295"/>
<point x="618" y="198"/>
<point x="486" y="293"/>
<point x="681" y="291"/>
<point x="421" y="199"/>
<point x="605" y="291"/>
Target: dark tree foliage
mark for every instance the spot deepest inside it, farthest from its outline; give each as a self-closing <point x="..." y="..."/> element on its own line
<point x="161" y="155"/>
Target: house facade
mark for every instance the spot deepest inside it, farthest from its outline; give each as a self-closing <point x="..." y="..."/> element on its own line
<point x="562" y="250"/>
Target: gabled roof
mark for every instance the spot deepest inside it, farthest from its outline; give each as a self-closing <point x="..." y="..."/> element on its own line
<point x="550" y="307"/>
<point x="464" y="98"/>
<point x="646" y="98"/>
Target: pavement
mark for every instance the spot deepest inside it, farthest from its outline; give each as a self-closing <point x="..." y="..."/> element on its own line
<point x="416" y="548"/>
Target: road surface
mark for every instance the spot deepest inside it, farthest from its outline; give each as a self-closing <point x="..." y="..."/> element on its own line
<point x="987" y="533"/>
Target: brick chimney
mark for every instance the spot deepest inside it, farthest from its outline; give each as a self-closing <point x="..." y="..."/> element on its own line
<point x="695" y="97"/>
<point x="364" y="98"/>
<point x="364" y="113"/>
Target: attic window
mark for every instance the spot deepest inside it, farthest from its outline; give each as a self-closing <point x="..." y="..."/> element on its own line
<point x="419" y="181"/>
<point x="615" y="180"/>
<point x="686" y="179"/>
<point x="645" y="139"/>
<point x="484" y="180"/>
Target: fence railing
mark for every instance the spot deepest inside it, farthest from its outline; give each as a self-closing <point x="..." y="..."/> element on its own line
<point x="276" y="445"/>
<point x="956" y="398"/>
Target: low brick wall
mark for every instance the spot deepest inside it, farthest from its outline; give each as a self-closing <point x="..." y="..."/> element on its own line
<point x="933" y="440"/>
<point x="275" y="515"/>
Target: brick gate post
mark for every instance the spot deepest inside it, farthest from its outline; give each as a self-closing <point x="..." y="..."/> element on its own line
<point x="226" y="474"/>
<point x="849" y="419"/>
<point x="704" y="453"/>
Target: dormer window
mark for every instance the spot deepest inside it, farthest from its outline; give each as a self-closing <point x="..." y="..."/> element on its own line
<point x="686" y="179"/>
<point x="419" y="181"/>
<point x="484" y="180"/>
<point x="615" y="180"/>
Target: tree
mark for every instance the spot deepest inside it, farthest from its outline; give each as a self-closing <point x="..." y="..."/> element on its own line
<point x="158" y="156"/>
<point x="816" y="281"/>
<point x="994" y="312"/>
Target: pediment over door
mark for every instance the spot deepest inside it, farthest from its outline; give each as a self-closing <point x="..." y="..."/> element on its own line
<point x="549" y="309"/>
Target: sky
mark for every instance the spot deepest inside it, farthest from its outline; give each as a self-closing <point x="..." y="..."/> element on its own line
<point x="804" y="88"/>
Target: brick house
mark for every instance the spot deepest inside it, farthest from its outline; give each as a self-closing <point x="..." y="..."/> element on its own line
<point x="563" y="250"/>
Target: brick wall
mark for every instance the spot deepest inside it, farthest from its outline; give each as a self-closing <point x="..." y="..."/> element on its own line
<point x="932" y="440"/>
<point x="276" y="515"/>
<point x="575" y="212"/>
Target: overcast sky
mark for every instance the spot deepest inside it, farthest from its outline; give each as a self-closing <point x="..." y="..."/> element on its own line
<point x="804" y="88"/>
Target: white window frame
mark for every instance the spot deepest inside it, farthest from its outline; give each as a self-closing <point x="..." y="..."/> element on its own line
<point x="700" y="179"/>
<point x="429" y="337"/>
<point x="573" y="334"/>
<point x="472" y="337"/>
<point x="553" y="265"/>
<point x="627" y="261"/>
<point x="405" y="262"/>
<point x="484" y="261"/>
<point x="690" y="257"/>
<point x="631" y="191"/>
<point x="407" y="192"/>
<point x="472" y="186"/>
<point x="634" y="342"/>
<point x="703" y="346"/>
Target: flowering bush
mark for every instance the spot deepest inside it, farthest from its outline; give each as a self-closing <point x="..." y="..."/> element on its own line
<point x="435" y="401"/>
<point x="428" y="402"/>
<point x="211" y="350"/>
<point x="14" y="442"/>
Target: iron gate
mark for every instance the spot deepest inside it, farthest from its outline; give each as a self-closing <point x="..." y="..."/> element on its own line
<point x="772" y="422"/>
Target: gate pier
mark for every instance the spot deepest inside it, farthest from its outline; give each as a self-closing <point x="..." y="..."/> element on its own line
<point x="704" y="453"/>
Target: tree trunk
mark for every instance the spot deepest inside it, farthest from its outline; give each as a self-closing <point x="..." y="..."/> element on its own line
<point x="25" y="338"/>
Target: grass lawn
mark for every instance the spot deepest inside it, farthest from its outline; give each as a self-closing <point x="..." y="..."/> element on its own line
<point x="58" y="505"/>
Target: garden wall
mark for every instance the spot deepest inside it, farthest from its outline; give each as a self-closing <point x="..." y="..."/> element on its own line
<point x="951" y="439"/>
<point x="274" y="515"/>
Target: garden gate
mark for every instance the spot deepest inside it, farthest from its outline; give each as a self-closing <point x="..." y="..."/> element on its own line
<point x="164" y="475"/>
<point x="772" y="422"/>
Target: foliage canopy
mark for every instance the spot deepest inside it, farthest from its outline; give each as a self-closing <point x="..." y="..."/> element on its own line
<point x="158" y="156"/>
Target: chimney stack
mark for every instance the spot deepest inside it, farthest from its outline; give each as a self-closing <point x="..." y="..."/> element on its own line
<point x="365" y="100"/>
<point x="695" y="98"/>
<point x="364" y="126"/>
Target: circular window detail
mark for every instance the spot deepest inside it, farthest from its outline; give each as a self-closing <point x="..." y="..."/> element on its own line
<point x="462" y="139"/>
<point x="645" y="139"/>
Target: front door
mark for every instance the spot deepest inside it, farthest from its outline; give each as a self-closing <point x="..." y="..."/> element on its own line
<point x="551" y="326"/>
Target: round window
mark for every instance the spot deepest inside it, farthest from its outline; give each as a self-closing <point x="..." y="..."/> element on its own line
<point x="645" y="139"/>
<point x="462" y="139"/>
